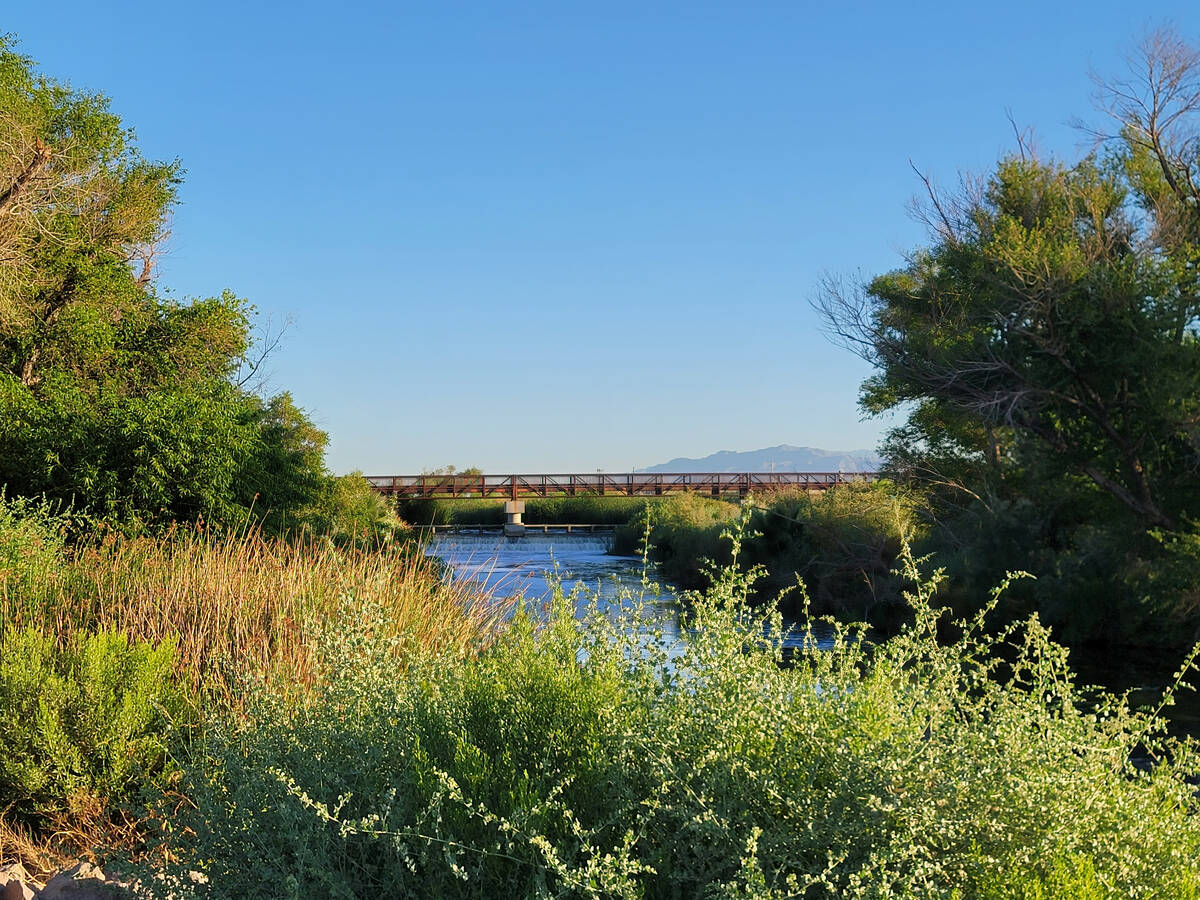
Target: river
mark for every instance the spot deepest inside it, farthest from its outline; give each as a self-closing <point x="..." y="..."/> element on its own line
<point x="528" y="565"/>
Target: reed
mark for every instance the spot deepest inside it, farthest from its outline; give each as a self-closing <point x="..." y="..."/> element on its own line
<point x="586" y="509"/>
<point x="242" y="603"/>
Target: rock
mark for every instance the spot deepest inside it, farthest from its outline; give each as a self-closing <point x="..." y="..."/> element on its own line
<point x="13" y="872"/>
<point x="82" y="882"/>
<point x="15" y="883"/>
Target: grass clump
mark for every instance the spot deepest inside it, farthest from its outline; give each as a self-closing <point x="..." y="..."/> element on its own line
<point x="843" y="544"/>
<point x="92" y="724"/>
<point x="594" y="758"/>
<point x="237" y="601"/>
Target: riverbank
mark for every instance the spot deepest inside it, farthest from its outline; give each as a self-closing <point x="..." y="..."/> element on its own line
<point x="586" y="510"/>
<point x="344" y="721"/>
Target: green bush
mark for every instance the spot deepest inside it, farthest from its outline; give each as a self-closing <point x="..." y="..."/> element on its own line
<point x="1069" y="539"/>
<point x="842" y="543"/>
<point x="349" y="512"/>
<point x="589" y="510"/>
<point x="86" y="725"/>
<point x="682" y="531"/>
<point x="595" y="759"/>
<point x="32" y="536"/>
<point x="451" y="512"/>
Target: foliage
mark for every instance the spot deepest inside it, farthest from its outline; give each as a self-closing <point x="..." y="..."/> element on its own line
<point x="842" y="543"/>
<point x="349" y="512"/>
<point x="286" y="472"/>
<point x="594" y="759"/>
<point x="32" y="546"/>
<point x="233" y="603"/>
<point x="681" y="532"/>
<point x="113" y="398"/>
<point x="472" y="511"/>
<point x="89" y="722"/>
<point x="581" y="510"/>
<point x="584" y="510"/>
<point x="1046" y="350"/>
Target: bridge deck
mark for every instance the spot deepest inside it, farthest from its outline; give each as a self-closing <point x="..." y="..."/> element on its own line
<point x="600" y="484"/>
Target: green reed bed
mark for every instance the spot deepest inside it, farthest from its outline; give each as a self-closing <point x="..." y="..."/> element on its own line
<point x="586" y="510"/>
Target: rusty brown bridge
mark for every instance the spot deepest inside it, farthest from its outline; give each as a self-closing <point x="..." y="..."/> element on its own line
<point x="601" y="484"/>
<point x="513" y="489"/>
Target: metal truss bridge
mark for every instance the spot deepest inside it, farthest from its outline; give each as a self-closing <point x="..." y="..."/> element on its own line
<point x="601" y="484"/>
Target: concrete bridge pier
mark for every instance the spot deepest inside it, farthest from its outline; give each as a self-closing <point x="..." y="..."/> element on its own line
<point x="513" y="510"/>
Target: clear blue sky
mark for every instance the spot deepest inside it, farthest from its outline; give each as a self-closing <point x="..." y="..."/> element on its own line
<point x="569" y="236"/>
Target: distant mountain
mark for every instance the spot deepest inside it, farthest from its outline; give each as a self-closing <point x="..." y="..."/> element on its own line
<point x="784" y="458"/>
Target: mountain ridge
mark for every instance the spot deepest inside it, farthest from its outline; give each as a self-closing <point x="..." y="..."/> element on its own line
<point x="780" y="458"/>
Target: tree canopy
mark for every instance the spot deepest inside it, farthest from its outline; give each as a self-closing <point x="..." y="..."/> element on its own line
<point x="1045" y="346"/>
<point x="114" y="398"/>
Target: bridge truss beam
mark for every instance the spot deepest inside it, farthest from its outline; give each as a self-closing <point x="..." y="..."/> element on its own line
<point x="600" y="484"/>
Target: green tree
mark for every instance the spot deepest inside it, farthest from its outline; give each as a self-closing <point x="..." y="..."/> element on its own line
<point x="112" y="397"/>
<point x="1046" y="345"/>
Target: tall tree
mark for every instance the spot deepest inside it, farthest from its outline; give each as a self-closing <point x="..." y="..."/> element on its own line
<point x="112" y="397"/>
<point x="1050" y="333"/>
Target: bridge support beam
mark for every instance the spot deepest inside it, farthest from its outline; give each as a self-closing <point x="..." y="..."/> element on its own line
<point x="513" y="510"/>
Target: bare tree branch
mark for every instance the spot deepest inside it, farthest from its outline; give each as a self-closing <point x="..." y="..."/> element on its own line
<point x="265" y="346"/>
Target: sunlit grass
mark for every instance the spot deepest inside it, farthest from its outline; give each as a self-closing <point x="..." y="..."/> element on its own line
<point x="241" y="602"/>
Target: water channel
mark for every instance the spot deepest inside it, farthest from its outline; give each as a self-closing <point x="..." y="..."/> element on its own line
<point x="528" y="565"/>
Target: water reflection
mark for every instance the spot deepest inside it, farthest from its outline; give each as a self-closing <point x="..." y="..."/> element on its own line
<point x="529" y="565"/>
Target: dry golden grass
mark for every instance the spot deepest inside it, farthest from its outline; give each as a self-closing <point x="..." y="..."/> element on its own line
<point x="244" y="602"/>
<point x="235" y="605"/>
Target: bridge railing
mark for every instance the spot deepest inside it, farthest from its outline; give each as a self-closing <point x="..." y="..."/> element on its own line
<point x="599" y="484"/>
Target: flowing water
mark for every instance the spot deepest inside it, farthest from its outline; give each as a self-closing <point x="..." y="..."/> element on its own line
<point x="528" y="565"/>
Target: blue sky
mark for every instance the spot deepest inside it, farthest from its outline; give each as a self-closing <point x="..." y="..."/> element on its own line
<point x="569" y="236"/>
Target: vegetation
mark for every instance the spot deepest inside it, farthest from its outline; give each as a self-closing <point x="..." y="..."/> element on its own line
<point x="544" y="511"/>
<point x="92" y="721"/>
<point x="108" y="649"/>
<point x="244" y="601"/>
<point x="841" y="543"/>
<point x="127" y="405"/>
<point x="588" y="759"/>
<point x="1046" y="348"/>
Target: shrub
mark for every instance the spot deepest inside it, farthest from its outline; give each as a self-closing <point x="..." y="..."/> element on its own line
<point x="592" y="758"/>
<point x="452" y="512"/>
<point x="349" y="512"/>
<point x="841" y="542"/>
<point x="88" y="723"/>
<point x="32" y="536"/>
<point x="241" y="602"/>
<point x="681" y="531"/>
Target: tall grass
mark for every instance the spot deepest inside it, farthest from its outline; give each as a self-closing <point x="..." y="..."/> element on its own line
<point x="596" y="759"/>
<point x="109" y="649"/>
<point x="240" y="602"/>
